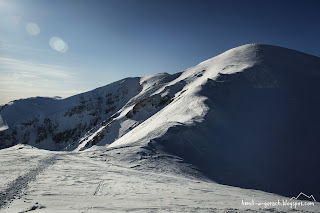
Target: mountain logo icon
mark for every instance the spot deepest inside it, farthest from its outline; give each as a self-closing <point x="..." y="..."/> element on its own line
<point x="304" y="196"/>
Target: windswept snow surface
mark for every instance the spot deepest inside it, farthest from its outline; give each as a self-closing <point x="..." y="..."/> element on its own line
<point x="246" y="118"/>
<point x="112" y="180"/>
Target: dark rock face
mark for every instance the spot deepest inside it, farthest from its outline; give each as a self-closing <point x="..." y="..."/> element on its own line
<point x="156" y="101"/>
<point x="42" y="134"/>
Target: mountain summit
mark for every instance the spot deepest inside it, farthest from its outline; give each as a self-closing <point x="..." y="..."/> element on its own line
<point x="248" y="117"/>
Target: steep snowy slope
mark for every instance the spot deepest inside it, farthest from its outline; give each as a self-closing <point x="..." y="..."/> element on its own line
<point x="86" y="118"/>
<point x="138" y="109"/>
<point x="101" y="116"/>
<point x="187" y="106"/>
<point x="248" y="117"/>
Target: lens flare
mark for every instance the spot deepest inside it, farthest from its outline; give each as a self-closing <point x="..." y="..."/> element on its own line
<point x="58" y="44"/>
<point x="33" y="28"/>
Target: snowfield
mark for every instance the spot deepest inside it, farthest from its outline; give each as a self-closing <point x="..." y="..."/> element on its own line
<point x="104" y="180"/>
<point x="230" y="134"/>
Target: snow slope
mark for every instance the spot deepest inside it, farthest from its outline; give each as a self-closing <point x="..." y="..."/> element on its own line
<point x="262" y="127"/>
<point x="187" y="106"/>
<point x="107" y="180"/>
<point x="246" y="118"/>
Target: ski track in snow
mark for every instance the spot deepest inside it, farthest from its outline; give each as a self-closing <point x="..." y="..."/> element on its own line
<point x="15" y="188"/>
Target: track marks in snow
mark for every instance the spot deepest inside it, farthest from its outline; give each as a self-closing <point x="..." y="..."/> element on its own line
<point x="98" y="189"/>
<point x="17" y="186"/>
<point x="35" y="207"/>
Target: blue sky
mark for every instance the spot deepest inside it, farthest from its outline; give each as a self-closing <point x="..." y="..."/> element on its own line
<point x="106" y="40"/>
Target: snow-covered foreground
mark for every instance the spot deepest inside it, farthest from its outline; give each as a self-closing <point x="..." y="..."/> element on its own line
<point x="102" y="180"/>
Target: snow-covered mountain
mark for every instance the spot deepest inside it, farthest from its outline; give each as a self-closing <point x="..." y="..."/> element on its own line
<point x="248" y="117"/>
<point x="55" y="124"/>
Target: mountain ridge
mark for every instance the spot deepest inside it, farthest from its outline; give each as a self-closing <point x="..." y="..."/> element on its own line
<point x="238" y="117"/>
<point x="250" y="52"/>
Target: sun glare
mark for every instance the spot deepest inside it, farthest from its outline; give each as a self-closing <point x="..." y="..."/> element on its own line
<point x="58" y="44"/>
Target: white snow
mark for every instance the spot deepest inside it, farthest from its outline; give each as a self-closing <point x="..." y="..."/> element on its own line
<point x="190" y="107"/>
<point x="3" y="125"/>
<point x="102" y="181"/>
